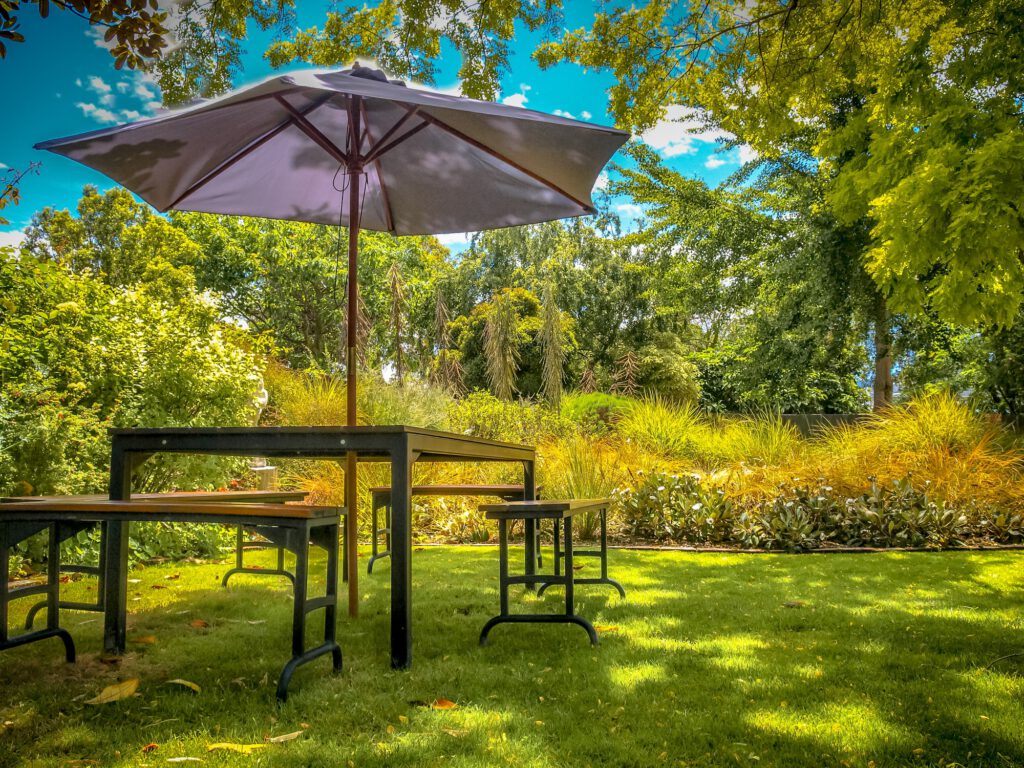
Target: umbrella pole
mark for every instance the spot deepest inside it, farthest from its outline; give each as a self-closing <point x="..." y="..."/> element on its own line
<point x="351" y="492"/>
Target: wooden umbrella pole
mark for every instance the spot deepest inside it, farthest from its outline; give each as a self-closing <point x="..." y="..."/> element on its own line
<point x="354" y="170"/>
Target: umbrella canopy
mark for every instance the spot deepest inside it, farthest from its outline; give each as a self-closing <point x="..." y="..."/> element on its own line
<point x="433" y="163"/>
<point x="353" y="148"/>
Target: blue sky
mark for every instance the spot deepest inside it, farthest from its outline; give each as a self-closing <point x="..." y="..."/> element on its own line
<point x="61" y="81"/>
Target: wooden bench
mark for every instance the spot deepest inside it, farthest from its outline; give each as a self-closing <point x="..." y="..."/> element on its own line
<point x="289" y="526"/>
<point x="381" y="499"/>
<point x="562" y="513"/>
<point x="218" y="497"/>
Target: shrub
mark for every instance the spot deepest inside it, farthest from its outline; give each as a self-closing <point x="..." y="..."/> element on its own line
<point x="594" y="412"/>
<point x="483" y="415"/>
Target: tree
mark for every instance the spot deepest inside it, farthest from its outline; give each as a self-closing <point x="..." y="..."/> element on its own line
<point x="9" y="192"/>
<point x="397" y="313"/>
<point x="406" y="37"/>
<point x="902" y="106"/>
<point x="135" y="28"/>
<point x="501" y="347"/>
<point x="551" y="344"/>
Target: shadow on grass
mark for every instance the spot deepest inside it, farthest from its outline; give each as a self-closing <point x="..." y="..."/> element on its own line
<point x="758" y="660"/>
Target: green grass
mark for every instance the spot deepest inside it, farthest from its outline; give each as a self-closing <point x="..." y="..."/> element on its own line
<point x="880" y="663"/>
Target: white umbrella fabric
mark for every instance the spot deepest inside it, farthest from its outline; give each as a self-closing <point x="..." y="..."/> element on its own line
<point x="353" y="148"/>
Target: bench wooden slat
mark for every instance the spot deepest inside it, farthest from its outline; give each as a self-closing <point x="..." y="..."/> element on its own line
<point x="456" y="490"/>
<point x="232" y="497"/>
<point x="154" y="509"/>
<point x="546" y="508"/>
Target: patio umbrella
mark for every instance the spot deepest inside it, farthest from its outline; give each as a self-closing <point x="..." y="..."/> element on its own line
<point x="353" y="148"/>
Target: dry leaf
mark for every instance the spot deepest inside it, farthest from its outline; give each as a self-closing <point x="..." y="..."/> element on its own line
<point x="172" y="577"/>
<point x="443" y="704"/>
<point x="606" y="628"/>
<point x="151" y="747"/>
<point x="283" y="738"/>
<point x="116" y="692"/>
<point x="242" y="749"/>
<point x="185" y="684"/>
<point x="403" y="719"/>
<point x="199" y="623"/>
<point x="158" y="586"/>
<point x="390" y="729"/>
<point x="143" y="639"/>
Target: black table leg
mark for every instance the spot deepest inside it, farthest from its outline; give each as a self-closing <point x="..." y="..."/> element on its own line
<point x="529" y="525"/>
<point x="401" y="557"/>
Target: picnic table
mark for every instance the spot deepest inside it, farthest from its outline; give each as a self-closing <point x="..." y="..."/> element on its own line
<point x="402" y="446"/>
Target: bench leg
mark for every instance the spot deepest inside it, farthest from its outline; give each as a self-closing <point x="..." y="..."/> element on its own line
<point x="66" y="531"/>
<point x="240" y="544"/>
<point x="328" y="536"/>
<point x="602" y="553"/>
<point x="504" y="617"/>
<point x="375" y="553"/>
<point x="51" y="589"/>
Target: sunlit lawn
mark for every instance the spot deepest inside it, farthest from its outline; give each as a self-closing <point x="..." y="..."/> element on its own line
<point x="758" y="660"/>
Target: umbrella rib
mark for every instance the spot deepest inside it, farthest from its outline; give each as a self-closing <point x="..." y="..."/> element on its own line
<point x="388" y="218"/>
<point x="243" y="152"/>
<point x="374" y="153"/>
<point x="314" y="133"/>
<point x="508" y="161"/>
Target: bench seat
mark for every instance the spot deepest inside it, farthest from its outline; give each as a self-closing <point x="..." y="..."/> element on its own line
<point x="292" y="527"/>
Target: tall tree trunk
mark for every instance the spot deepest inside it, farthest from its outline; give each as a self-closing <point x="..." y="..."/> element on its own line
<point x="882" y="395"/>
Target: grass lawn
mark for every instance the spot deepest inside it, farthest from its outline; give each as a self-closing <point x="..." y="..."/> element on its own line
<point x="877" y="660"/>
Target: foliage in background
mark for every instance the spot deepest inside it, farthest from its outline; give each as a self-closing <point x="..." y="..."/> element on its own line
<point x="78" y="356"/>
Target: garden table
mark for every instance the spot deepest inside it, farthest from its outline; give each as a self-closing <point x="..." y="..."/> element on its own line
<point x="402" y="446"/>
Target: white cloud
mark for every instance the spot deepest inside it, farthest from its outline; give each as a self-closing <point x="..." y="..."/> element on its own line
<point x="602" y="180"/>
<point x="97" y="34"/>
<point x="3" y="165"/>
<point x="130" y="114"/>
<point x="680" y="132"/>
<point x="97" y="84"/>
<point x="12" y="238"/>
<point x="122" y="87"/>
<point x="630" y="210"/>
<point x="454" y="239"/>
<point x="143" y="92"/>
<point x="78" y="82"/>
<point x="747" y="154"/>
<point x="585" y="115"/>
<point x="153" y="106"/>
<point x="518" y="99"/>
<point x="99" y="114"/>
<point x="515" y="100"/>
<point x="563" y="113"/>
<point x="740" y="155"/>
<point x="107" y="100"/>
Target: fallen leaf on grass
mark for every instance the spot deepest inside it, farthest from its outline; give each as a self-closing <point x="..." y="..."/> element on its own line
<point x="172" y="577"/>
<point x="151" y="747"/>
<point x="199" y="623"/>
<point x="183" y="760"/>
<point x="185" y="684"/>
<point x="158" y="586"/>
<point x="794" y="604"/>
<point x="116" y="692"/>
<point x="606" y="628"/>
<point x="242" y="749"/>
<point x="143" y="639"/>
<point x="455" y="733"/>
<point x="443" y="704"/>
<point x="283" y="737"/>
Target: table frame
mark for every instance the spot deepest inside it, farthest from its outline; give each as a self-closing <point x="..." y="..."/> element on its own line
<point x="402" y="446"/>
